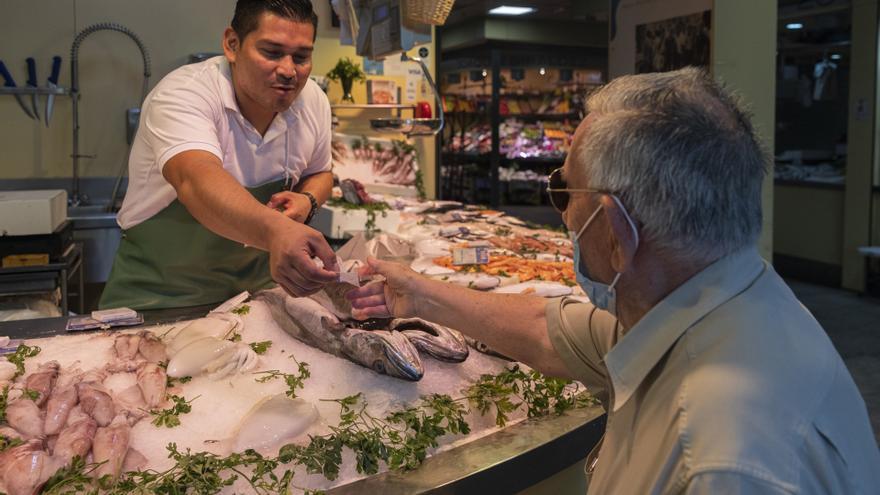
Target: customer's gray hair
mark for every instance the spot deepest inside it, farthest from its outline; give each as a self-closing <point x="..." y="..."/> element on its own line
<point x="681" y="154"/>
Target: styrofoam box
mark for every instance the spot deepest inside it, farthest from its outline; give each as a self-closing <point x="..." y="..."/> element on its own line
<point x="339" y="223"/>
<point x="32" y="212"/>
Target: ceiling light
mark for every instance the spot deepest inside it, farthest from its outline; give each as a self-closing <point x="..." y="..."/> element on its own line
<point x="485" y="73"/>
<point x="794" y="26"/>
<point x="542" y="71"/>
<point x="836" y="56"/>
<point x="508" y="10"/>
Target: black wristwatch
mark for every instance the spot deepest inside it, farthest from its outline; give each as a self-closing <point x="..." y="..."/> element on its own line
<point x="314" y="208"/>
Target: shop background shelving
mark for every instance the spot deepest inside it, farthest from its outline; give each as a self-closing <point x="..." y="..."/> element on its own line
<point x="492" y="93"/>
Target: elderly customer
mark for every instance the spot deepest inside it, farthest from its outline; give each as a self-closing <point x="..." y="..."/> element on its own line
<point x="715" y="378"/>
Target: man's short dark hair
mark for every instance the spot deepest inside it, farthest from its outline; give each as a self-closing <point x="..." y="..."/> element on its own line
<point x="248" y="12"/>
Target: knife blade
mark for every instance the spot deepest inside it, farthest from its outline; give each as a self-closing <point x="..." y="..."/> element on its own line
<point x="9" y="82"/>
<point x="32" y="83"/>
<point x="52" y="83"/>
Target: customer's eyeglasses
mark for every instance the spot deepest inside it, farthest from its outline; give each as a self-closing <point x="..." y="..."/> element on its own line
<point x="558" y="191"/>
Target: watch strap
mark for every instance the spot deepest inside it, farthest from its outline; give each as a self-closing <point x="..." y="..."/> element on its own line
<point x="314" y="208"/>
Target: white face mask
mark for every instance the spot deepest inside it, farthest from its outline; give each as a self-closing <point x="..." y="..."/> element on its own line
<point x="603" y="296"/>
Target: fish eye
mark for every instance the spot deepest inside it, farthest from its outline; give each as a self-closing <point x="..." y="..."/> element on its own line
<point x="379" y="366"/>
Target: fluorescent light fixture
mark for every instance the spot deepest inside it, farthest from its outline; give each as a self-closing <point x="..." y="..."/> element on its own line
<point x="836" y="56"/>
<point x="508" y="10"/>
<point x="794" y="26"/>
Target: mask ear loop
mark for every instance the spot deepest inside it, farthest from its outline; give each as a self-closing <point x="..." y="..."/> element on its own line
<point x="587" y="224"/>
<point x="635" y="234"/>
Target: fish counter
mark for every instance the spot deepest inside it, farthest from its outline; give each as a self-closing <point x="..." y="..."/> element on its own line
<point x="275" y="393"/>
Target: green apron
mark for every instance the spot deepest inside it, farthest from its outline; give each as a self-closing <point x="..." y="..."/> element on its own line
<point x="171" y="261"/>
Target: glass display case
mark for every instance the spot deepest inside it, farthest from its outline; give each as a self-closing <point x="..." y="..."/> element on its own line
<point x="510" y="115"/>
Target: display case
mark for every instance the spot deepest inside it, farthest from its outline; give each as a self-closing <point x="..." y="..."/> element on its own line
<point x="511" y="113"/>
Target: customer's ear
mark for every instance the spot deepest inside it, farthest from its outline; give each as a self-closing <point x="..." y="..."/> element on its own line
<point x="623" y="240"/>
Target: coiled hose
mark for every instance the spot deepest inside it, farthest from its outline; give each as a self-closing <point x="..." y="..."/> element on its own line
<point x="74" y="89"/>
<point x="106" y="26"/>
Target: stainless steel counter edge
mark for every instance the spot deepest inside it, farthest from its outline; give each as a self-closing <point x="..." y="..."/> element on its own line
<point x="506" y="461"/>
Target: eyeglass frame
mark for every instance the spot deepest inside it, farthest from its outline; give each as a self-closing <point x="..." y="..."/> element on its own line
<point x="551" y="190"/>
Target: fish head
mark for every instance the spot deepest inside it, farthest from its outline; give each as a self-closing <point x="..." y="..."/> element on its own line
<point x="388" y="353"/>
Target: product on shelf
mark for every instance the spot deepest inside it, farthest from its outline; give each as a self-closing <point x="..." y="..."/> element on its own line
<point x="374" y="161"/>
<point x="542" y="139"/>
<point x="515" y="266"/>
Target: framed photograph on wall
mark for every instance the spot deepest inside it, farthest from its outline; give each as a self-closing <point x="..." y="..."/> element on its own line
<point x="674" y="43"/>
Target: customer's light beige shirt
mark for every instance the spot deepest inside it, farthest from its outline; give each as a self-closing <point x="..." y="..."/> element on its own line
<point x="728" y="385"/>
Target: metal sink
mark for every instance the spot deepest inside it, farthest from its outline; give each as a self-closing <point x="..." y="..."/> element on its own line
<point x="97" y="229"/>
<point x="91" y="217"/>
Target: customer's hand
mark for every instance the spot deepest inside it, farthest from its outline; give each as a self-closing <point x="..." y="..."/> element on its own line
<point x="394" y="296"/>
<point x="293" y="253"/>
<point x="293" y="205"/>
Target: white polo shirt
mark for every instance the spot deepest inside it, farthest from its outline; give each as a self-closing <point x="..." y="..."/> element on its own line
<point x="194" y="108"/>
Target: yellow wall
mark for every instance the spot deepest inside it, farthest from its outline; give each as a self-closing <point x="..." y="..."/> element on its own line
<point x="861" y="146"/>
<point x="743" y="56"/>
<point x="808" y="223"/>
<point x="111" y="73"/>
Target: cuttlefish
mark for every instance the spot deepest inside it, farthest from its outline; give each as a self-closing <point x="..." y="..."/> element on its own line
<point x="62" y="399"/>
<point x="25" y="468"/>
<point x="42" y="380"/>
<point x="386" y="352"/>
<point x="75" y="440"/>
<point x="110" y="446"/>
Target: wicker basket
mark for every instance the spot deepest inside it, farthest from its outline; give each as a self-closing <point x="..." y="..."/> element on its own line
<point x="428" y="11"/>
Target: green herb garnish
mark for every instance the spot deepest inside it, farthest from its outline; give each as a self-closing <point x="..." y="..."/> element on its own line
<point x="170" y="382"/>
<point x="170" y="417"/>
<point x="242" y="310"/>
<point x="293" y="380"/>
<point x="261" y="347"/>
<point x="4" y="401"/>
<point x="7" y="443"/>
<point x="400" y="439"/>
<point x="21" y="353"/>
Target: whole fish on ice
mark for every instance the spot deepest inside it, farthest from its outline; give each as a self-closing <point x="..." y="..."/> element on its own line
<point x="440" y="342"/>
<point x="386" y="352"/>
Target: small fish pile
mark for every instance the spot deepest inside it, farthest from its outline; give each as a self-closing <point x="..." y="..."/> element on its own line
<point x="56" y="415"/>
<point x="389" y="348"/>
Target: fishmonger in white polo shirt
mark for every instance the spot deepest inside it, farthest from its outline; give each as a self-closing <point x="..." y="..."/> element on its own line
<point x="231" y="159"/>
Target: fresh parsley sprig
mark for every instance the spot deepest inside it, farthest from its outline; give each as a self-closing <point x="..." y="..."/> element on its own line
<point x="170" y="417"/>
<point x="18" y="357"/>
<point x="293" y="380"/>
<point x="242" y="310"/>
<point x="261" y="347"/>
<point x="401" y="439"/>
<point x="8" y="443"/>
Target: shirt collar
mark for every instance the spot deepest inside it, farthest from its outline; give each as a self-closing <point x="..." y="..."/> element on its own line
<point x="642" y="347"/>
<point x="227" y="91"/>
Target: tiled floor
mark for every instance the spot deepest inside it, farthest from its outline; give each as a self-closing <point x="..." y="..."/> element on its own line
<point x="853" y="323"/>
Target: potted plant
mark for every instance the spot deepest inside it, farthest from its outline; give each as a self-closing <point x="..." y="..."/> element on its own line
<point x="346" y="72"/>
